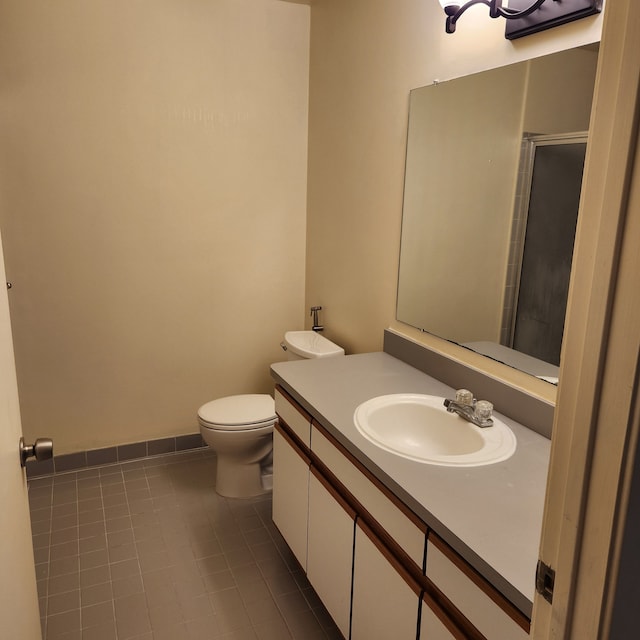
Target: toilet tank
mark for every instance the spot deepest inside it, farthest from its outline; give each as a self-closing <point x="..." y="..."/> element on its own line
<point x="302" y="345"/>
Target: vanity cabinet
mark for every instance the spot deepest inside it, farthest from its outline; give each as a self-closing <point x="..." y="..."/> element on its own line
<point x="380" y="571"/>
<point x="388" y="597"/>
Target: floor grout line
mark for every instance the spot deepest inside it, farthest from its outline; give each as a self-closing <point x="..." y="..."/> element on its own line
<point x="185" y="514"/>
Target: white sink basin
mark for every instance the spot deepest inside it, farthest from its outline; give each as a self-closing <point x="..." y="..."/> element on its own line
<point x="418" y="427"/>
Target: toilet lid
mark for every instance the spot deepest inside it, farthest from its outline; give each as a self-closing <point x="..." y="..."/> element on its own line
<point x="240" y="412"/>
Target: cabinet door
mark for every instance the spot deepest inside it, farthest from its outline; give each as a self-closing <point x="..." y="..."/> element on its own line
<point x="432" y="626"/>
<point x="385" y="598"/>
<point x="290" y="493"/>
<point x="330" y="549"/>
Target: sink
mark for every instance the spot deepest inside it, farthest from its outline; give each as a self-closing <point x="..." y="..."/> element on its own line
<point x="419" y="427"/>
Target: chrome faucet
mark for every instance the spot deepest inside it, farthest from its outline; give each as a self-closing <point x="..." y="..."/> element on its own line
<point x="477" y="412"/>
<point x="314" y="312"/>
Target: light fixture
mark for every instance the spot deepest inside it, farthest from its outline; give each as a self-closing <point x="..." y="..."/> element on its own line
<point x="525" y="17"/>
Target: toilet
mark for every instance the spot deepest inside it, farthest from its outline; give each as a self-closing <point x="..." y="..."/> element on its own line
<point x="240" y="428"/>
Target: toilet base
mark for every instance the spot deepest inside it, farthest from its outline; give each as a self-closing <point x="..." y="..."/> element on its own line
<point x="267" y="481"/>
<point x="237" y="480"/>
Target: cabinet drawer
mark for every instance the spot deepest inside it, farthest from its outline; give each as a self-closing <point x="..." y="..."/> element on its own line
<point x="398" y="522"/>
<point x="493" y="615"/>
<point x="296" y="418"/>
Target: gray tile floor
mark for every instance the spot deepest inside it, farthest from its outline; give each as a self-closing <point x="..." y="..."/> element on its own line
<point x="148" y="550"/>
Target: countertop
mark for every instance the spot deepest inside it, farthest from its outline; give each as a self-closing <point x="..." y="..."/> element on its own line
<point x="491" y="515"/>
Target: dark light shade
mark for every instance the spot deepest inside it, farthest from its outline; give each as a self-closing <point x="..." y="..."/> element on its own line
<point x="525" y="17"/>
<point x="550" y="14"/>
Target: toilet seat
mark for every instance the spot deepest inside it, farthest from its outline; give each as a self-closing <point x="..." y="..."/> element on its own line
<point x="238" y="413"/>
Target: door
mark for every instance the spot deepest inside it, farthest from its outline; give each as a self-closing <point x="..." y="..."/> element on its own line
<point x="19" y="614"/>
<point x="596" y="422"/>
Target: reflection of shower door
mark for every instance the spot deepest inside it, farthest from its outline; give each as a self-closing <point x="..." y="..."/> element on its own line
<point x="546" y="247"/>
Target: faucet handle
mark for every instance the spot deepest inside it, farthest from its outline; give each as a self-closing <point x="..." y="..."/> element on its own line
<point x="482" y="414"/>
<point x="464" y="396"/>
<point x="483" y="410"/>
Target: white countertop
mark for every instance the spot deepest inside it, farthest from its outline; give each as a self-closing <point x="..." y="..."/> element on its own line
<point x="491" y="515"/>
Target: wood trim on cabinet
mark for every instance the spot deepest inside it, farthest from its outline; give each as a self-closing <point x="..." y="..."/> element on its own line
<point x="511" y="610"/>
<point x="401" y="506"/>
<point x="365" y="516"/>
<point x="292" y="439"/>
<point x="294" y="403"/>
<point x="486" y="587"/>
<point x="390" y="557"/>
<point x="335" y="494"/>
<point x="455" y="622"/>
<point x="462" y="629"/>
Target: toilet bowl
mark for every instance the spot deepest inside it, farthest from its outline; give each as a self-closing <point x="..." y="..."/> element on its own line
<point x="240" y="430"/>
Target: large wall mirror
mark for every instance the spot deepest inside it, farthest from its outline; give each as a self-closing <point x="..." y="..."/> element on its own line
<point x="492" y="185"/>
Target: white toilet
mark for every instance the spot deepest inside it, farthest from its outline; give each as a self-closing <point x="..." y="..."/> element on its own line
<point x="240" y="428"/>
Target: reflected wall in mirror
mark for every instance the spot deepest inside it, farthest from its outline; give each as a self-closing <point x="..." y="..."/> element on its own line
<point x="466" y="202"/>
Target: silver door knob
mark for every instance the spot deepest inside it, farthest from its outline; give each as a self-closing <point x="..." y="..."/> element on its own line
<point x="42" y="449"/>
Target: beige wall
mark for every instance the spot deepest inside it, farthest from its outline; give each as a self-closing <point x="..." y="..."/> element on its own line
<point x="152" y="202"/>
<point x="366" y="55"/>
<point x="153" y="188"/>
<point x="574" y="80"/>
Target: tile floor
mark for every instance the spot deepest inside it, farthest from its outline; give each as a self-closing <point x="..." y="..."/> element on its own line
<point x="147" y="550"/>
